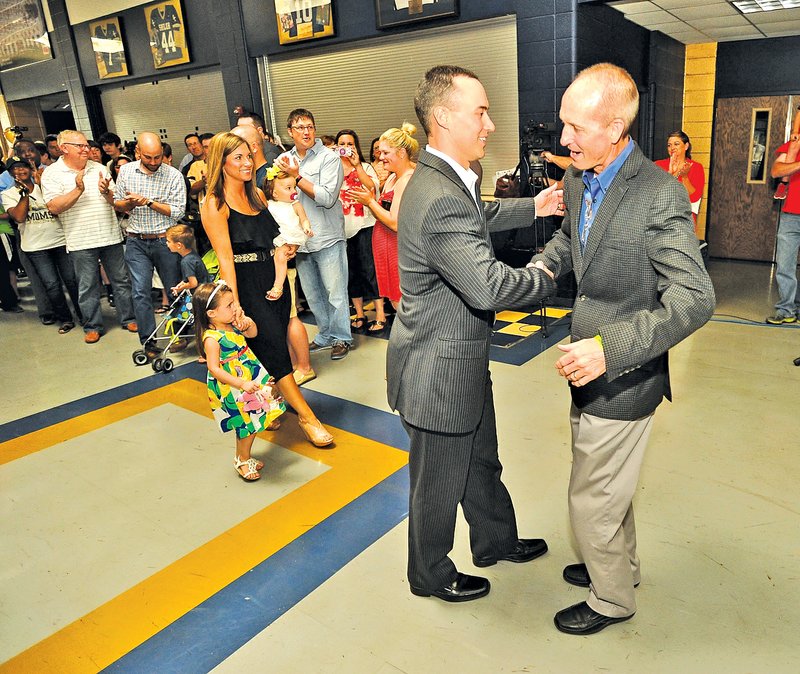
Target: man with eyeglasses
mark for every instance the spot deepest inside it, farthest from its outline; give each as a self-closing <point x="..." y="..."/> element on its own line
<point x="79" y="192"/>
<point x="322" y="261"/>
<point x="155" y="196"/>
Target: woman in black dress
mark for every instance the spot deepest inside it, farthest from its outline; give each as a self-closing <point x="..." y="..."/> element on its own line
<point x="241" y="230"/>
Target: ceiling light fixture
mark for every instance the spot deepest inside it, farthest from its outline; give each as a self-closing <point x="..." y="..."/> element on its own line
<point x="750" y="6"/>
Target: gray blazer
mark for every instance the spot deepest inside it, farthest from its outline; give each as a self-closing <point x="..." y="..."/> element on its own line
<point x="642" y="284"/>
<point x="451" y="286"/>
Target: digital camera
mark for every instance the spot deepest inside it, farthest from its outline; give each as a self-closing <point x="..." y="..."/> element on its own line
<point x="343" y="150"/>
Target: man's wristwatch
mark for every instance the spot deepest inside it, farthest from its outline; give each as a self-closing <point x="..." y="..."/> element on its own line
<point x="149" y="203"/>
<point x="298" y="179"/>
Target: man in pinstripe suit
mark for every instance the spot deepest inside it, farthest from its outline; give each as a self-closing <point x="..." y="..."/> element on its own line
<point x="628" y="235"/>
<point x="438" y="376"/>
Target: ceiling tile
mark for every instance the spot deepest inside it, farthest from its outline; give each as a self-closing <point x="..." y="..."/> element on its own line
<point x="720" y="22"/>
<point x="673" y="4"/>
<point x="733" y="33"/>
<point x="784" y="29"/>
<point x="778" y="16"/>
<point x="689" y="36"/>
<point x="648" y="18"/>
<point x="633" y="7"/>
<point x="705" y="11"/>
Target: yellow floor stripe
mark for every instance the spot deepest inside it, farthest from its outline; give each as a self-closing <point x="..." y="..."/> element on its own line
<point x="115" y="628"/>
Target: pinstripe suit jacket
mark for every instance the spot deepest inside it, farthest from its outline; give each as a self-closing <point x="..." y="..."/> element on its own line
<point x="642" y="284"/>
<point x="451" y="285"/>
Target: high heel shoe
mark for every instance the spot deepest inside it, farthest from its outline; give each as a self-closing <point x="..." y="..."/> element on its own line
<point x="315" y="433"/>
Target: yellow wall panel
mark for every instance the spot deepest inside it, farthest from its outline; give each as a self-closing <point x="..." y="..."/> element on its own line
<point x="700" y="66"/>
<point x="701" y="50"/>
<point x="698" y="82"/>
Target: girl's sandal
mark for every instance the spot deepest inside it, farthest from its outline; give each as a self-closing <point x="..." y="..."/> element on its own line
<point x="274" y="294"/>
<point x="358" y="323"/>
<point x="250" y="474"/>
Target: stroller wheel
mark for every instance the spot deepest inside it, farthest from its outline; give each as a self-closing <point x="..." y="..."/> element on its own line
<point x="139" y="357"/>
<point x="158" y="364"/>
<point x="167" y="365"/>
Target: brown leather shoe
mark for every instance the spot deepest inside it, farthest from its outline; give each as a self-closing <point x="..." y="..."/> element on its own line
<point x="132" y="327"/>
<point x="91" y="337"/>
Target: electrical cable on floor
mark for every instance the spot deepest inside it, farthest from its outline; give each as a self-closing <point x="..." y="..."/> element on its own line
<point x="749" y="321"/>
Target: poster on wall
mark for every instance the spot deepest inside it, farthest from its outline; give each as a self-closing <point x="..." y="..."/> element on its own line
<point x="23" y="34"/>
<point x="300" y="20"/>
<point x="167" y="33"/>
<point x="390" y="13"/>
<point x="109" y="52"/>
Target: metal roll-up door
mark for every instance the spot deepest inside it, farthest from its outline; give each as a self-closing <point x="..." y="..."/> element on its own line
<point x="369" y="86"/>
<point x="171" y="107"/>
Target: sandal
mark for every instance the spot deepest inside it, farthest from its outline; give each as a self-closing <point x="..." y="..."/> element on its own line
<point x="274" y="425"/>
<point x="358" y="323"/>
<point x="376" y="327"/>
<point x="274" y="294"/>
<point x="66" y="326"/>
<point x="162" y="309"/>
<point x="252" y="469"/>
<point x="315" y="433"/>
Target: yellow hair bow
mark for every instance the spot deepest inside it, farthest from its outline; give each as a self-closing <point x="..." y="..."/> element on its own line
<point x="272" y="172"/>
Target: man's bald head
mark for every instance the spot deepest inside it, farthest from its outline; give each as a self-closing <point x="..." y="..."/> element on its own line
<point x="250" y="135"/>
<point x="151" y="151"/>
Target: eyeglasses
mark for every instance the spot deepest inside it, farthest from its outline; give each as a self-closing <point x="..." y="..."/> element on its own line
<point x="303" y="129"/>
<point x="80" y="146"/>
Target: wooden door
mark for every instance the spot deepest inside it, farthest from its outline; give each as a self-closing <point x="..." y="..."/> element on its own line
<point x="743" y="216"/>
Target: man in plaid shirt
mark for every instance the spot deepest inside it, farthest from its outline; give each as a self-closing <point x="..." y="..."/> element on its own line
<point x="154" y="194"/>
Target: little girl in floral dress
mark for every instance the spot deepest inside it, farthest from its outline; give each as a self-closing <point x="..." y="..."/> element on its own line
<point x="240" y="389"/>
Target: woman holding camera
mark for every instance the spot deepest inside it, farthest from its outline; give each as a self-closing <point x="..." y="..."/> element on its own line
<point x="358" y="225"/>
<point x="397" y="148"/>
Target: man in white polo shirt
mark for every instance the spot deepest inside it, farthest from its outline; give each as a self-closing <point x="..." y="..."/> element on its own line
<point x="80" y="192"/>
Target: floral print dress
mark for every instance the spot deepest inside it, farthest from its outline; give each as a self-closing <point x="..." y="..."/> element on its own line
<point x="234" y="409"/>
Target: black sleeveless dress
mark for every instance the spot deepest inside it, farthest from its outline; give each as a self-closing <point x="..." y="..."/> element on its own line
<point x="254" y="234"/>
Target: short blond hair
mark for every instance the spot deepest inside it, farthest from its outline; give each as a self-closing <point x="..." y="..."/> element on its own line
<point x="619" y="95"/>
<point x="402" y="137"/>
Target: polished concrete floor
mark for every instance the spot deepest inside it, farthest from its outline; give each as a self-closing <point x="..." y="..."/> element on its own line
<point x="129" y="544"/>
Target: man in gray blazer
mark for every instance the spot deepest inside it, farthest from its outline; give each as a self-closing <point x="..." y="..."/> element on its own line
<point x="642" y="287"/>
<point x="438" y="376"/>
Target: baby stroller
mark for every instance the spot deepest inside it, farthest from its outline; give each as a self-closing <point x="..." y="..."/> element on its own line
<point x="177" y="321"/>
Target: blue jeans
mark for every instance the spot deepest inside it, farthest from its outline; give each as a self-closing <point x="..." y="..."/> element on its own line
<point x="323" y="275"/>
<point x="85" y="263"/>
<point x="142" y="256"/>
<point x="786" y="259"/>
<point x="54" y="268"/>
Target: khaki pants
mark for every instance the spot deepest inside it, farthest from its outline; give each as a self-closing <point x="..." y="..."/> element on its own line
<point x="606" y="460"/>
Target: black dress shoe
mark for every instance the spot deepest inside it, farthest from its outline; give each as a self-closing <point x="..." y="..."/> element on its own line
<point x="463" y="588"/>
<point x="578" y="574"/>
<point x="525" y="550"/>
<point x="583" y="619"/>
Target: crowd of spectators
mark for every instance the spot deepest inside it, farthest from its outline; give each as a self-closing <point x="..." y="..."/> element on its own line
<point x="86" y="222"/>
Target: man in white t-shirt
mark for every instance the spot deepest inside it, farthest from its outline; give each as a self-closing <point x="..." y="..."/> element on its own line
<point x="80" y="193"/>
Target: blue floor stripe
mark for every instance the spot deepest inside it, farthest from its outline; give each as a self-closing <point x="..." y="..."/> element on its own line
<point x="204" y="637"/>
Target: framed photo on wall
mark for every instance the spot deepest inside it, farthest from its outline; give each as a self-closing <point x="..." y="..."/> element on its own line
<point x="109" y="51"/>
<point x="23" y="34"/>
<point x="300" y="20"/>
<point x="391" y="13"/>
<point x="167" y="33"/>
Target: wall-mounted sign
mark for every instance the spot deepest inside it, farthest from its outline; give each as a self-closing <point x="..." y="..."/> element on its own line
<point x="109" y="51"/>
<point x="390" y="13"/>
<point x="300" y="20"/>
<point x="23" y="34"/>
<point x="167" y="34"/>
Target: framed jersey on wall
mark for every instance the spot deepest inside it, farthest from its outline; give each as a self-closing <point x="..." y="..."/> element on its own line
<point x="300" y="20"/>
<point x="109" y="51"/>
<point x="167" y="33"/>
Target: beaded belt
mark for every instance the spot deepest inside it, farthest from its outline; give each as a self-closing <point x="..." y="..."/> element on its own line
<point x="258" y="256"/>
